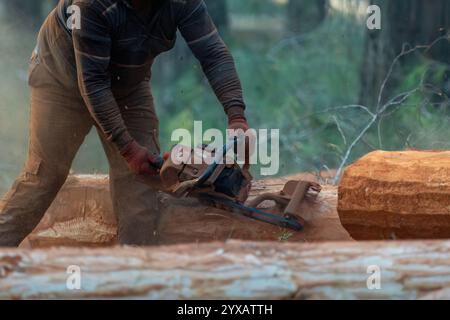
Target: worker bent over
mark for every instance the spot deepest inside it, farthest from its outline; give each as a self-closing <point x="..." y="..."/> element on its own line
<point x="99" y="75"/>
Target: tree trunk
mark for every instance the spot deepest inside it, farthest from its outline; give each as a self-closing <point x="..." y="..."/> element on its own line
<point x="417" y="22"/>
<point x="305" y="15"/>
<point x="411" y="22"/>
<point x="397" y="195"/>
<point x="82" y="215"/>
<point x="235" y="270"/>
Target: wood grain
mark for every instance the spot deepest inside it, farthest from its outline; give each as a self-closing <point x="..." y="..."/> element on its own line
<point x="397" y="195"/>
<point x="232" y="270"/>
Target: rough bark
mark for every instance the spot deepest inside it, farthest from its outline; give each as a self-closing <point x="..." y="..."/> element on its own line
<point x="235" y="270"/>
<point x="397" y="195"/>
<point x="82" y="215"/>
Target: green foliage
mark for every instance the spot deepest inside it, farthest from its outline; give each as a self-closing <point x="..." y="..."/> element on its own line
<point x="287" y="85"/>
<point x="421" y="122"/>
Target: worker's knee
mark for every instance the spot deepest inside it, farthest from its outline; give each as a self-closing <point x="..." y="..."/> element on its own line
<point x="43" y="175"/>
<point x="30" y="196"/>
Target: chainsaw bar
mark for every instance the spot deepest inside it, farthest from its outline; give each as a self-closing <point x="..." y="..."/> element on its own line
<point x="253" y="213"/>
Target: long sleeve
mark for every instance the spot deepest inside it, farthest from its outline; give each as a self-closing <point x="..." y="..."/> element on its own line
<point x="200" y="33"/>
<point x="92" y="45"/>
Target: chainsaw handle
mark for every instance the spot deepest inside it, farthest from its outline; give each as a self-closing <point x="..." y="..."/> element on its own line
<point x="157" y="162"/>
<point x="268" y="197"/>
<point x="218" y="158"/>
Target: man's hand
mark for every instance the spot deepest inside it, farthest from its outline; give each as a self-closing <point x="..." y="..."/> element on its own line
<point x="139" y="159"/>
<point x="238" y="122"/>
<point x="237" y="119"/>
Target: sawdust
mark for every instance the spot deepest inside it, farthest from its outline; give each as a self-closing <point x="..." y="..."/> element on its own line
<point x="82" y="215"/>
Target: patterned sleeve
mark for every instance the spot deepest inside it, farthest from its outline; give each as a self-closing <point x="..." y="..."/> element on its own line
<point x="92" y="45"/>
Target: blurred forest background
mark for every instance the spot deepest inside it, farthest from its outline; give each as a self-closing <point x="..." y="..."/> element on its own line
<point x="309" y="67"/>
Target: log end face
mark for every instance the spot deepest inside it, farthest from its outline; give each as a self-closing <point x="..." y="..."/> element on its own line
<point x="397" y="195"/>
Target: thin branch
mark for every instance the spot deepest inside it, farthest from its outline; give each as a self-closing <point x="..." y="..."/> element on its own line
<point x="380" y="140"/>
<point x="350" y="149"/>
<point x="339" y="108"/>
<point x="338" y="125"/>
<point x="381" y="109"/>
<point x="403" y="53"/>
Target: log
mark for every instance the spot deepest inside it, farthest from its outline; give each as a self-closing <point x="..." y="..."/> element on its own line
<point x="82" y="216"/>
<point x="232" y="270"/>
<point x="206" y="224"/>
<point x="397" y="195"/>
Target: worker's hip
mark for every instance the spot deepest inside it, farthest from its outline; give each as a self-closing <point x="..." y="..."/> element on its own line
<point x="134" y="101"/>
<point x="53" y="65"/>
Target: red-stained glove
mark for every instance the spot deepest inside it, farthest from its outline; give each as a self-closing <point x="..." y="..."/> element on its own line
<point x="238" y="121"/>
<point x="139" y="159"/>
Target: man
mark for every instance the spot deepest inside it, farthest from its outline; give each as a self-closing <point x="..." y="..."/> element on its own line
<point x="98" y="75"/>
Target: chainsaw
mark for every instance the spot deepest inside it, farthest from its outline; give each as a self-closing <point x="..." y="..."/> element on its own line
<point x="224" y="184"/>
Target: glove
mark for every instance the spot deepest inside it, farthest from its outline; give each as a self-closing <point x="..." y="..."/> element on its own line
<point x="237" y="124"/>
<point x="238" y="121"/>
<point x="139" y="159"/>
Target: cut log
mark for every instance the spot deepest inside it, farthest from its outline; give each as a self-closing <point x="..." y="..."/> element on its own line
<point x="205" y="224"/>
<point x="232" y="270"/>
<point x="397" y="195"/>
<point x="82" y="216"/>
